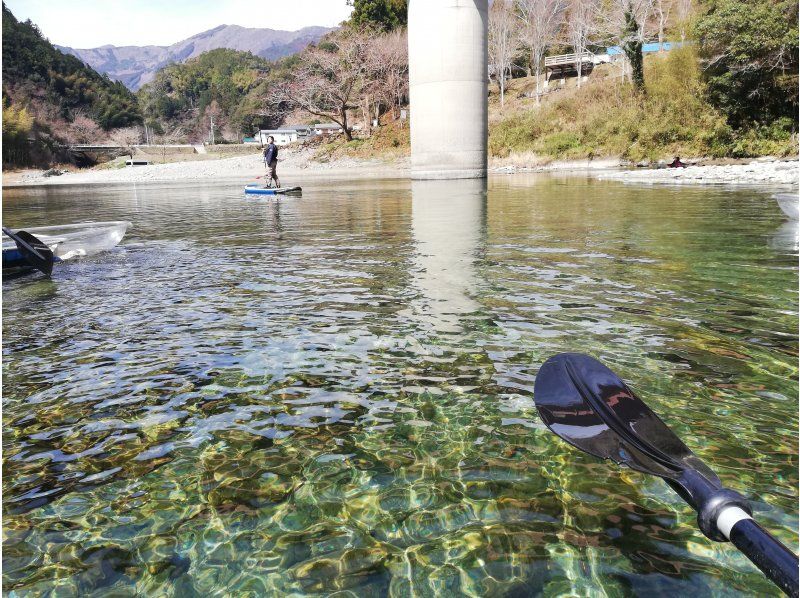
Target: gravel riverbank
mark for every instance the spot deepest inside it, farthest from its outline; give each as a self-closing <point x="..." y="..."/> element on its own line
<point x="298" y="163"/>
<point x="755" y="173"/>
<point x="292" y="167"/>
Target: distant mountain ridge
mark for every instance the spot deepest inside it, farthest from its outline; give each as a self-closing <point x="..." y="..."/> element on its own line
<point x="136" y="65"/>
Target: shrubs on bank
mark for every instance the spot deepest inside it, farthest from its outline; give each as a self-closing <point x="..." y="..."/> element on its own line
<point x="17" y="126"/>
<point x="25" y="141"/>
<point x="606" y="118"/>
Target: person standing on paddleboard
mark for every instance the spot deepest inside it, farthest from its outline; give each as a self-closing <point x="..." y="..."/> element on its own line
<point x="271" y="161"/>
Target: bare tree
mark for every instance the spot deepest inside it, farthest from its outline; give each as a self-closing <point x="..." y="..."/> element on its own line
<point x="503" y="41"/>
<point x="540" y="23"/>
<point x="394" y="74"/>
<point x="683" y="12"/>
<point x="329" y="79"/>
<point x="169" y="139"/>
<point x="83" y="129"/>
<point x="661" y="14"/>
<point x="581" y="24"/>
<point x="214" y="119"/>
<point x="126" y="138"/>
<point x="385" y="82"/>
<point x="372" y="89"/>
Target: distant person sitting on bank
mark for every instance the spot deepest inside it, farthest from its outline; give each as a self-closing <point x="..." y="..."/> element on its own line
<point x="676" y="163"/>
<point x="271" y="161"/>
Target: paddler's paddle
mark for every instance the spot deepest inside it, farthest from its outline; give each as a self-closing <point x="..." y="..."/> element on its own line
<point x="36" y="253"/>
<point x="586" y="404"/>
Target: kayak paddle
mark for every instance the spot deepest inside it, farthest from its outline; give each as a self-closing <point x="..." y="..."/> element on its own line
<point x="585" y="403"/>
<point x="36" y="253"/>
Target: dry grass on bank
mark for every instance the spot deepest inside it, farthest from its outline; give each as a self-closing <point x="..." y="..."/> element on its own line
<point x="389" y="141"/>
<point x="606" y="118"/>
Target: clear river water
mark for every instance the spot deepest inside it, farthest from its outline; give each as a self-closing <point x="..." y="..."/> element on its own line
<point x="333" y="395"/>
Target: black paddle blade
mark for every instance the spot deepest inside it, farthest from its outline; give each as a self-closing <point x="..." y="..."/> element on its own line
<point x="35" y="252"/>
<point x="587" y="404"/>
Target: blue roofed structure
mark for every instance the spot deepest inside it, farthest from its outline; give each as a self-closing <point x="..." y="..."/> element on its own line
<point x="646" y="48"/>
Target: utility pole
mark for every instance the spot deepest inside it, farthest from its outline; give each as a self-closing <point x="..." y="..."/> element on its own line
<point x="212" y="130"/>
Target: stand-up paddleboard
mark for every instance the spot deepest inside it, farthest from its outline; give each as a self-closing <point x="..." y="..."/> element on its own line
<point x="261" y="190"/>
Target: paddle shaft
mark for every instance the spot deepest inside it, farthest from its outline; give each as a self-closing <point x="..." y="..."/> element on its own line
<point x="585" y="403"/>
<point x="723" y="514"/>
<point x="776" y="561"/>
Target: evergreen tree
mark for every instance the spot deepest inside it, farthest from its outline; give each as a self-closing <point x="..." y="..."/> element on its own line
<point x="385" y="15"/>
<point x="632" y="46"/>
<point x="750" y="51"/>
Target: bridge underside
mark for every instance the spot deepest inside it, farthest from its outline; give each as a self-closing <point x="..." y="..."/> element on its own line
<point x="562" y="71"/>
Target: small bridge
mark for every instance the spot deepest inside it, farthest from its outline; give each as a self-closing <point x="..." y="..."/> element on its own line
<point x="89" y="154"/>
<point x="96" y="148"/>
<point x="123" y="148"/>
<point x="560" y="65"/>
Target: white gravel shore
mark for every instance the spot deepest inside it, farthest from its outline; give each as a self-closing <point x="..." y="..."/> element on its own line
<point x="298" y="163"/>
<point x="756" y="172"/>
<point x="293" y="164"/>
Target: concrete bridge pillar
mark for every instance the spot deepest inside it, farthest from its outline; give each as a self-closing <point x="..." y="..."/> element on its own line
<point x="448" y="73"/>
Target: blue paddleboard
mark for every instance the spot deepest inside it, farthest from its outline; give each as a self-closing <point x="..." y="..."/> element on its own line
<point x="259" y="190"/>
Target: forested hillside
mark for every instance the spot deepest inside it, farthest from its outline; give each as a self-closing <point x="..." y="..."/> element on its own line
<point x="48" y="95"/>
<point x="227" y="85"/>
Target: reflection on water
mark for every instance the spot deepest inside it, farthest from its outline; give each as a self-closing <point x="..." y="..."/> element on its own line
<point x="448" y="221"/>
<point x="331" y="395"/>
<point x="786" y="237"/>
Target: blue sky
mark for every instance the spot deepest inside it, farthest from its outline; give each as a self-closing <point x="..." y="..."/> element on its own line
<point x="91" y="23"/>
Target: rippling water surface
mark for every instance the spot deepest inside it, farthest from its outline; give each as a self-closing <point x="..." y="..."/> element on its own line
<point x="332" y="395"/>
